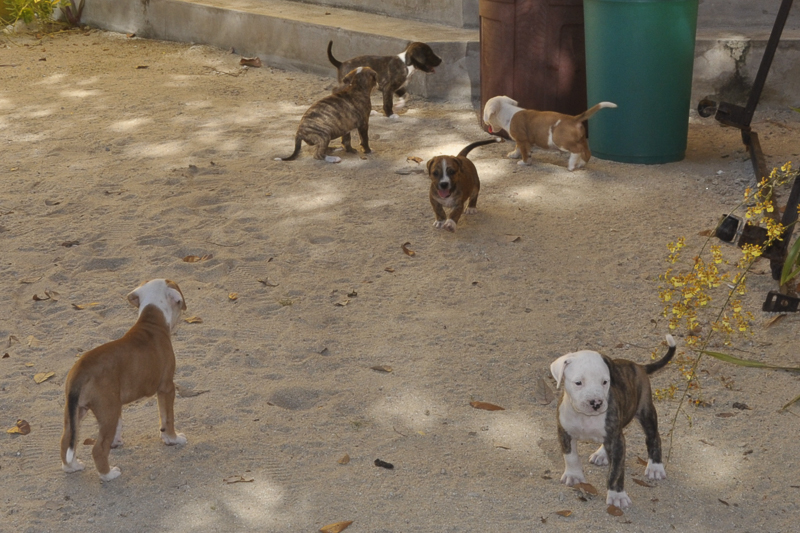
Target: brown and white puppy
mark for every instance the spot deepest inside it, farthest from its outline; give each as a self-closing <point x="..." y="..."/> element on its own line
<point x="337" y="115"/>
<point x="601" y="396"/>
<point x="139" y="364"/>
<point x="454" y="185"/>
<point x="393" y="71"/>
<point x="545" y="129"/>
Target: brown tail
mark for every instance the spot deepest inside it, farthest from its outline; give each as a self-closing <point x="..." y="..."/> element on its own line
<point x="592" y="110"/>
<point x="332" y="59"/>
<point x="467" y="149"/>
<point x="71" y="419"/>
<point x="661" y="363"/>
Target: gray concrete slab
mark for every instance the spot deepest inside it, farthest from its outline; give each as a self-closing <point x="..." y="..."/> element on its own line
<point x="294" y="35"/>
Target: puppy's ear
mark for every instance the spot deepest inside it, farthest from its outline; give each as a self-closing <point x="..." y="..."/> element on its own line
<point x="510" y="100"/>
<point x="430" y="164"/>
<point x="133" y="298"/>
<point x="176" y="294"/>
<point x="557" y="367"/>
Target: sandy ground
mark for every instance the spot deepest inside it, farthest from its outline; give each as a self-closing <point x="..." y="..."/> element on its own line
<point x="112" y="174"/>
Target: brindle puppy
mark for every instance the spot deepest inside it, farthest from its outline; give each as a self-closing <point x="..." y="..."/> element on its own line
<point x="337" y="115"/>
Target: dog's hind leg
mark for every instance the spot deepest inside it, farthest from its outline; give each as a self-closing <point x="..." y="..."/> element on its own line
<point x="388" y="94"/>
<point x="166" y="403"/>
<point x="107" y="420"/>
<point x="525" y="153"/>
<point x="472" y="206"/>
<point x="648" y="418"/>
<point x="363" y="132"/>
<point x="346" y="143"/>
<point x="401" y="92"/>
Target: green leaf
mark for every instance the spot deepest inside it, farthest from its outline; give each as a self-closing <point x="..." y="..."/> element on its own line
<point x="747" y="362"/>
<point x="790" y="403"/>
<point x="792" y="259"/>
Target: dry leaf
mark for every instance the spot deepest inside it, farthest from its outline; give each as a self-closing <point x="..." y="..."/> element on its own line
<point x="70" y="244"/>
<point x="774" y="320"/>
<point x="725" y="415"/>
<point x="37" y="298"/>
<point x="233" y="296"/>
<point x="238" y="479"/>
<point x="381" y="368"/>
<point x="196" y="258"/>
<point x="741" y="406"/>
<point x="29" y="365"/>
<point x="336" y="528"/>
<point x="501" y="447"/>
<point x="80" y="307"/>
<point x="486" y="406"/>
<point x="12" y="339"/>
<point x="251" y="62"/>
<point x="142" y="67"/>
<point x="706" y="233"/>
<point x="641" y="461"/>
<point x="406" y="250"/>
<point x="704" y="441"/>
<point x="88" y="442"/>
<point x="194" y="320"/>
<point x="415" y="159"/>
<point x="723" y="501"/>
<point x="5" y="356"/>
<point x="352" y="294"/>
<point x="543" y="393"/>
<point x="30" y="280"/>
<point x="512" y="238"/>
<point x="267" y="282"/>
<point x="41" y="377"/>
<point x="183" y="392"/>
<point x="51" y="202"/>
<point x="33" y="342"/>
<point x="613" y="510"/>
<point x="130" y="35"/>
<point x="22" y="428"/>
<point x="586" y="487"/>
<point x="642" y="483"/>
<point x="285" y="301"/>
<point x="564" y="512"/>
<point x="344" y="460"/>
<point x="383" y="464"/>
<point x="389" y="269"/>
<point x="342" y="304"/>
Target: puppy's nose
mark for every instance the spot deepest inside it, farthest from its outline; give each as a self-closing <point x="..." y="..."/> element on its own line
<point x="444" y="185"/>
<point x="596" y="404"/>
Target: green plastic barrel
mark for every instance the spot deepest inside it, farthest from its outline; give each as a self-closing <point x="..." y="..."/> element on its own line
<point x="639" y="55"/>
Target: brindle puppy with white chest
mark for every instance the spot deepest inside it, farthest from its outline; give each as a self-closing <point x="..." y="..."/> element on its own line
<point x="337" y="115"/>
<point x="601" y="396"/>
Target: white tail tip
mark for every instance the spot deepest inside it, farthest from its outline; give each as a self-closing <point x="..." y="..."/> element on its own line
<point x="608" y="104"/>
<point x="278" y="159"/>
<point x="671" y="341"/>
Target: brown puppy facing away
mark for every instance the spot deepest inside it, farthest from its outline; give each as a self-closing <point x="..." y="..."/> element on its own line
<point x="138" y="365"/>
<point x="337" y="115"/>
<point x="393" y="71"/>
<point x="454" y="184"/>
<point x="545" y="129"/>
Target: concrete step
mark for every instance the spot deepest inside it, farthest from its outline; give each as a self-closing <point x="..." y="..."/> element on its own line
<point x="458" y="13"/>
<point x="294" y="35"/>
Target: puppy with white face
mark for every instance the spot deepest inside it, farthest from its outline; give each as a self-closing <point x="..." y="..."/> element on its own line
<point x="545" y="129"/>
<point x="139" y="364"/>
<point x="601" y="396"/>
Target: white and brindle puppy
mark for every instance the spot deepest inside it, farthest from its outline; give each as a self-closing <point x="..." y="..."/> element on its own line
<point x="393" y="71"/>
<point x="545" y="129"/>
<point x="454" y="185"/>
<point x="601" y="396"/>
<point x="138" y="365"/>
<point x="335" y="116"/>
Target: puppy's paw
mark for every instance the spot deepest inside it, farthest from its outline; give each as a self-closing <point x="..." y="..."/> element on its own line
<point x="471" y="211"/>
<point x="618" y="499"/>
<point x="438" y="223"/>
<point x="394" y="116"/>
<point x="75" y="466"/>
<point x="372" y="113"/>
<point x="570" y="478"/>
<point x="332" y="159"/>
<point x="600" y="457"/>
<point x="523" y="163"/>
<point x="179" y="438"/>
<point x="118" y="442"/>
<point x="114" y="473"/>
<point x="515" y="154"/>
<point x="655" y="470"/>
<point x="449" y="225"/>
<point x="400" y="104"/>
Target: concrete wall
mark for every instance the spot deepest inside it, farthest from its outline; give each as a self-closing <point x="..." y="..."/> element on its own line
<point x="459" y="13"/>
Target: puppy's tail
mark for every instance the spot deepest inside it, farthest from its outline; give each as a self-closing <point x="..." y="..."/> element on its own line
<point x="469" y="147"/>
<point x="594" y="109"/>
<point x="297" y="142"/>
<point x="332" y="59"/>
<point x="71" y="427"/>
<point x="661" y="363"/>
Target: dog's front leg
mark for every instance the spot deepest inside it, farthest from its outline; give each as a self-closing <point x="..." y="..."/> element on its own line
<point x="438" y="212"/>
<point x="363" y="132"/>
<point x="573" y="471"/>
<point x="388" y="94"/>
<point x="166" y="404"/>
<point x="615" y="448"/>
